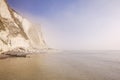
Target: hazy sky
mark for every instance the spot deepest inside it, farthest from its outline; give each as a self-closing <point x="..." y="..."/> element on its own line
<point x="75" y="24"/>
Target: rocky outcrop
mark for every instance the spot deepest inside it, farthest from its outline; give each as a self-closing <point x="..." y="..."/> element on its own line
<point x="17" y="32"/>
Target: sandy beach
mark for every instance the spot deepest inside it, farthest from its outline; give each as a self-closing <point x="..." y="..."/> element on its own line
<point x="97" y="65"/>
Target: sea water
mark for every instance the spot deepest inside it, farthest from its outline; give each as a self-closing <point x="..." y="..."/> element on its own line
<point x="68" y="65"/>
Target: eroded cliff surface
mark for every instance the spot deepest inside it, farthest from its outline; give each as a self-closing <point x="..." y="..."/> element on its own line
<point x="17" y="32"/>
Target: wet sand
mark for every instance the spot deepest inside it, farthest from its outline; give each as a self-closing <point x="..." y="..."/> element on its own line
<point x="63" y="66"/>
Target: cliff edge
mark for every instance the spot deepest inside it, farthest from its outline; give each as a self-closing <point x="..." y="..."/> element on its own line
<point x="17" y="32"/>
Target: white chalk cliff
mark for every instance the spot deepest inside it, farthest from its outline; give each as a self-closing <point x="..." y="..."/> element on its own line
<point x="17" y="32"/>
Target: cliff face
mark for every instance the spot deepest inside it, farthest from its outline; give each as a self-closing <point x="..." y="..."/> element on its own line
<point x="16" y="31"/>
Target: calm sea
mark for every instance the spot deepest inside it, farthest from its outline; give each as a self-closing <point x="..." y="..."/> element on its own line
<point x="69" y="65"/>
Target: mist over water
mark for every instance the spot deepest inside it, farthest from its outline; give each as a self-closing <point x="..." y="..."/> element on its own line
<point x="78" y="24"/>
<point x="91" y="26"/>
